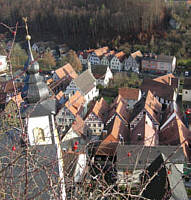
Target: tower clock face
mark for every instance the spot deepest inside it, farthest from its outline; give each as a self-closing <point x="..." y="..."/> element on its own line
<point x="38" y="135"/>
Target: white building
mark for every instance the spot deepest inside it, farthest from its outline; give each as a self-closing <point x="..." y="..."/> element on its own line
<point x="85" y="83"/>
<point x="102" y="74"/>
<point x="3" y="63"/>
<point x="133" y="62"/>
<point x="116" y="63"/>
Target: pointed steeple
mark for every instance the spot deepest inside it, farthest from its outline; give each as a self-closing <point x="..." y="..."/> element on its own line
<point x="35" y="89"/>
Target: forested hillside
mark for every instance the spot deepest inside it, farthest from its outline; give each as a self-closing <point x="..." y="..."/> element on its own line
<point x="87" y="23"/>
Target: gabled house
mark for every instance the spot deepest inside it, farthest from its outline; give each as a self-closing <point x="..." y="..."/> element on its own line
<point x="41" y="47"/>
<point x="116" y="63"/>
<point x="95" y="56"/>
<point x="132" y="161"/>
<point x="163" y="181"/>
<point x="61" y="78"/>
<point x="133" y="62"/>
<point x="186" y="92"/>
<point x="102" y="74"/>
<point x="85" y="83"/>
<point x="74" y="165"/>
<point x="144" y="133"/>
<point x="130" y="95"/>
<point x="169" y="79"/>
<point x="83" y="57"/>
<point x="174" y="132"/>
<point x="96" y="118"/>
<point x="149" y="107"/>
<point x="117" y="132"/>
<point x="60" y="98"/>
<point x="163" y="92"/>
<point x="158" y="63"/>
<point x="105" y="60"/>
<point x="67" y="114"/>
<point x="78" y="133"/>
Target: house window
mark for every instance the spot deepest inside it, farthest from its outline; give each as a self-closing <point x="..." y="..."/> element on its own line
<point x="94" y="125"/>
<point x="186" y="92"/>
<point x="99" y="125"/>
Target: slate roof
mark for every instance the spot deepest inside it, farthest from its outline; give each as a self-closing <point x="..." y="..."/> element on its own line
<point x="167" y="184"/>
<point x="42" y="167"/>
<point x="187" y="84"/>
<point x="99" y="71"/>
<point x="129" y="93"/>
<point x="46" y="107"/>
<point x="145" y="155"/>
<point x="85" y="81"/>
<point x="158" y="89"/>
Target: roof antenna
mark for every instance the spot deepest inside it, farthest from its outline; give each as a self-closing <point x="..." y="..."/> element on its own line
<point x="28" y="38"/>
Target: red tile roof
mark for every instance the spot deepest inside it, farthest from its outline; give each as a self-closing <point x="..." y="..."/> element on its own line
<point x="175" y="133"/>
<point x="101" y="109"/>
<point x="75" y="103"/>
<point x="109" y="144"/>
<point x="129" y="93"/>
<point x="66" y="71"/>
<point x="120" y="55"/>
<point x="144" y="134"/>
<point x="59" y="95"/>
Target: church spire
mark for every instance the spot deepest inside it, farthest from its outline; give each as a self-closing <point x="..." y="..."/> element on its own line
<point x="35" y="89"/>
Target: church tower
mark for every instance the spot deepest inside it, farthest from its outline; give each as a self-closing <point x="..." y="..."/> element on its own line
<point x="39" y="109"/>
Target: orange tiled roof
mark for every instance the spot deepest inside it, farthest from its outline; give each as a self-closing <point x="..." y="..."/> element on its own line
<point x="164" y="79"/>
<point x="121" y="110"/>
<point x="153" y="106"/>
<point x="109" y="144"/>
<point x="120" y="55"/>
<point x="129" y="93"/>
<point x="65" y="71"/>
<point x="148" y="135"/>
<point x="175" y="133"/>
<point x="101" y="108"/>
<point x="49" y="81"/>
<point x="78" y="125"/>
<point x="101" y="51"/>
<point x="17" y="99"/>
<point x="75" y="103"/>
<point x="59" y="95"/>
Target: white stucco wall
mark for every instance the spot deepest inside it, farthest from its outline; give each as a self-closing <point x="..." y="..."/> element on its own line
<point x="39" y="122"/>
<point x="186" y="95"/>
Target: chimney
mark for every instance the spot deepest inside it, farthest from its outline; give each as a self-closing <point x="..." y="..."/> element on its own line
<point x="169" y="80"/>
<point x="89" y="66"/>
